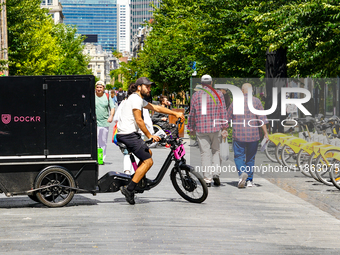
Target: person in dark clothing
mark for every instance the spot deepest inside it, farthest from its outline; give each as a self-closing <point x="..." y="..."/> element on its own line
<point x="162" y="119"/>
<point x="227" y="99"/>
<point x="121" y="95"/>
<point x="262" y="97"/>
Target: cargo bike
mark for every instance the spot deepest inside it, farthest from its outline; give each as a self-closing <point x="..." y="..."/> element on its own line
<point x="48" y="144"/>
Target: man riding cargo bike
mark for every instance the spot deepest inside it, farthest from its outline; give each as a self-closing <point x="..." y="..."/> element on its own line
<point x="130" y="121"/>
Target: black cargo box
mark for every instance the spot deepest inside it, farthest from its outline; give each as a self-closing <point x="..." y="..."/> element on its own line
<point x="47" y="120"/>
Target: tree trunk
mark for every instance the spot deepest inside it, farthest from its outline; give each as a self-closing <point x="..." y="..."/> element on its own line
<point x="276" y="77"/>
<point x="322" y="109"/>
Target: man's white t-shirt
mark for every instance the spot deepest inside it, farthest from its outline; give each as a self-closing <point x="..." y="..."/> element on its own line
<point x="127" y="123"/>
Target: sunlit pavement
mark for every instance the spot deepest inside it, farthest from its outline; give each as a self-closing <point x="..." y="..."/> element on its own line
<point x="264" y="219"/>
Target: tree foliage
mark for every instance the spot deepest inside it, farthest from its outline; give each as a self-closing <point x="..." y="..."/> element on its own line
<point x="310" y="31"/>
<point x="230" y="38"/>
<point x="37" y="46"/>
<point x="32" y="50"/>
<point x="131" y="71"/>
<point x="167" y="55"/>
<point x="72" y="60"/>
<point x="118" y="84"/>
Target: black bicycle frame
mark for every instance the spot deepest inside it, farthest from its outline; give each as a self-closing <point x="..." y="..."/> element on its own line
<point x="162" y="172"/>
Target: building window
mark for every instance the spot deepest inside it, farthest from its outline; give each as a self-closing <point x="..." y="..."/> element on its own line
<point x="47" y="2"/>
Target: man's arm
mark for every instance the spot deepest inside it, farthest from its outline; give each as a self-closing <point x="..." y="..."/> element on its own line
<point x="262" y="117"/>
<point x="264" y="128"/>
<point x="165" y="110"/>
<point x="112" y="113"/>
<point x="223" y="113"/>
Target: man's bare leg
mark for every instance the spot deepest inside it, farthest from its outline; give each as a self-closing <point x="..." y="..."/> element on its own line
<point x="143" y="167"/>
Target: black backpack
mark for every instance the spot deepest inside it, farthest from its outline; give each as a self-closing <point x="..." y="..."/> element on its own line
<point x="120" y="96"/>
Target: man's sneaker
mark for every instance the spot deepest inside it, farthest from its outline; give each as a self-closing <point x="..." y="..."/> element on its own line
<point x="250" y="184"/>
<point x="208" y="184"/>
<point x="127" y="172"/>
<point x="129" y="195"/>
<point x="242" y="181"/>
<point x="216" y="180"/>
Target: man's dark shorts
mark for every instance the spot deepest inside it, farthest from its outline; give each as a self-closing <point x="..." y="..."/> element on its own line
<point x="135" y="144"/>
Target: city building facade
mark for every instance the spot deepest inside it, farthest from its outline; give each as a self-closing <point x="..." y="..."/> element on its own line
<point x="124" y="26"/>
<point x="96" y="19"/>
<point x="101" y="63"/>
<point x="56" y="10"/>
<point x="138" y="40"/>
<point x="141" y="11"/>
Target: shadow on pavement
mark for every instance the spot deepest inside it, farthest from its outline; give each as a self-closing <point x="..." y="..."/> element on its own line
<point x="26" y="202"/>
<point x="144" y="200"/>
<point x="235" y="183"/>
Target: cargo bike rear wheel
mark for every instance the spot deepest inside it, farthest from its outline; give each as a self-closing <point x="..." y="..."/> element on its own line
<point x="55" y="186"/>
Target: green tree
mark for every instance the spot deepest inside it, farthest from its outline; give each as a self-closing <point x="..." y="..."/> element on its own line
<point x="32" y="49"/>
<point x="118" y="84"/>
<point x="167" y="62"/>
<point x="237" y="34"/>
<point x="37" y="46"/>
<point x="230" y="38"/>
<point x="310" y="31"/>
<point x="114" y="74"/>
<point x="108" y="87"/>
<point x="131" y="71"/>
<point x="72" y="60"/>
<point x="167" y="56"/>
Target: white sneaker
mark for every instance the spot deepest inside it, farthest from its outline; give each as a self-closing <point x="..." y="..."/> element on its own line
<point x="250" y="183"/>
<point x="127" y="172"/>
<point x="242" y="181"/>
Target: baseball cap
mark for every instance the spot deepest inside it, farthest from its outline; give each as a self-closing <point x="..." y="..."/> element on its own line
<point x="206" y="78"/>
<point x="144" y="80"/>
<point x="100" y="83"/>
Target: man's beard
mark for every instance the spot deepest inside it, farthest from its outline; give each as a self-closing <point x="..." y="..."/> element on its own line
<point x="144" y="94"/>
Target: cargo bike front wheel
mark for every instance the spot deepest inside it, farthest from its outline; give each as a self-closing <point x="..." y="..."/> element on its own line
<point x="189" y="185"/>
<point x="55" y="186"/>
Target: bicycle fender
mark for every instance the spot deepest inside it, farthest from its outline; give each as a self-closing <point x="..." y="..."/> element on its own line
<point x="336" y="155"/>
<point x="316" y="148"/>
<point x="283" y="139"/>
<point x="275" y="138"/>
<point x="294" y="143"/>
<point x="308" y="147"/>
<point x="186" y="167"/>
<point x="325" y="150"/>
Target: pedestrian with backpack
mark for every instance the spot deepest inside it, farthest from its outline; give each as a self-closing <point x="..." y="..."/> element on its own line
<point x="121" y="95"/>
<point x="104" y="111"/>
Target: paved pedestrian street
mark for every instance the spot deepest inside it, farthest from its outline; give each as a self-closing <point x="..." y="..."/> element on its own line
<point x="264" y="219"/>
